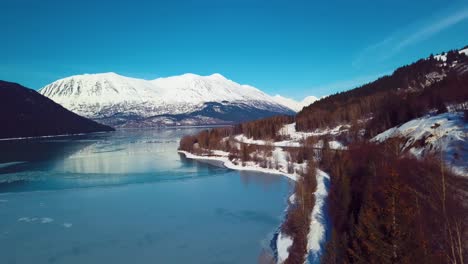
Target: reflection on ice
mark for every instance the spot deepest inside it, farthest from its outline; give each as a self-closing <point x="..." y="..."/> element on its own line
<point x="122" y="157"/>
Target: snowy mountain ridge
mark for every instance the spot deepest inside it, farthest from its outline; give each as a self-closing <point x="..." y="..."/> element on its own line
<point x="107" y="95"/>
<point x="293" y="104"/>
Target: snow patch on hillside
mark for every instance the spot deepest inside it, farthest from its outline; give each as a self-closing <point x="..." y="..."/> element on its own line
<point x="443" y="57"/>
<point x="283" y="243"/>
<point x="295" y="138"/>
<point x="446" y="132"/>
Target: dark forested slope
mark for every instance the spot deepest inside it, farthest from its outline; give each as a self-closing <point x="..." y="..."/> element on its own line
<point x="26" y="113"/>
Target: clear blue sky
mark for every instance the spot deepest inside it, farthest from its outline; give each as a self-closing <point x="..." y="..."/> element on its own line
<point x="292" y="48"/>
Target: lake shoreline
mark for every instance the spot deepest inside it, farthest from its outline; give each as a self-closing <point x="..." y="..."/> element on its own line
<point x="319" y="220"/>
<point x="228" y="164"/>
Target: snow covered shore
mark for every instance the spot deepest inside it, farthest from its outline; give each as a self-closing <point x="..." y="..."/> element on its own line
<point x="318" y="224"/>
<point x="250" y="166"/>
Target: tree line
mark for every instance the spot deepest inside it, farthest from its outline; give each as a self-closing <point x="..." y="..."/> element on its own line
<point x="265" y="129"/>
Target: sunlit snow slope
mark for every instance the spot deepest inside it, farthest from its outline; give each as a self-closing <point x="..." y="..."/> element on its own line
<point x="447" y="132"/>
<point x="188" y="99"/>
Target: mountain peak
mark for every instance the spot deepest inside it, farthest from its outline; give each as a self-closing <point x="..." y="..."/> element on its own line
<point x="189" y="75"/>
<point x="217" y="76"/>
<point x="186" y="75"/>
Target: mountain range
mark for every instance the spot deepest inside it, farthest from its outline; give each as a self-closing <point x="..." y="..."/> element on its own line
<point x="188" y="99"/>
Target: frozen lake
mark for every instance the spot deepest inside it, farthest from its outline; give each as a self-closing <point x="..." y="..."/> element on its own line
<point x="129" y="197"/>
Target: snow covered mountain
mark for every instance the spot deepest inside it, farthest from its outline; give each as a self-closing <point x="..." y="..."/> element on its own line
<point x="293" y="104"/>
<point x="187" y="99"/>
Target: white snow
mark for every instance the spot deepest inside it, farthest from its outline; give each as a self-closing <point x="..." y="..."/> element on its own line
<point x="290" y="131"/>
<point x="105" y="94"/>
<point x="283" y="243"/>
<point x="292" y="198"/>
<point x="316" y="236"/>
<point x="443" y="57"/>
<point x="446" y="132"/>
<point x="249" y="166"/>
<point x="294" y="137"/>
<point x="293" y="104"/>
<point x="310" y="100"/>
<point x="333" y="144"/>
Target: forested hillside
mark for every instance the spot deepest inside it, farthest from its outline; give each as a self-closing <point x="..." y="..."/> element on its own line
<point x="386" y="204"/>
<point x="389" y="208"/>
<point x="411" y="91"/>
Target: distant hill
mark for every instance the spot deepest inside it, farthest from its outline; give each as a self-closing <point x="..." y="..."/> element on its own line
<point x="26" y="113"/>
<point x="295" y="105"/>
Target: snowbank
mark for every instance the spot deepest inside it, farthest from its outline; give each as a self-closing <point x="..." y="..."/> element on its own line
<point x="283" y="243"/>
<point x="318" y="225"/>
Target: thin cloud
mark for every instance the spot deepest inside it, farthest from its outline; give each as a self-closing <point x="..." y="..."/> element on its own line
<point x="398" y="41"/>
<point x="433" y="29"/>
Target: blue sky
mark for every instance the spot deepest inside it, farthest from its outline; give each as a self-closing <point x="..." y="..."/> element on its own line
<point x="292" y="48"/>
